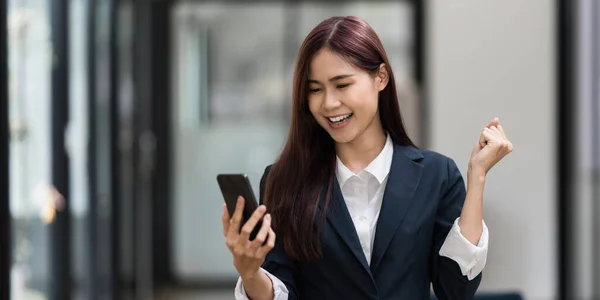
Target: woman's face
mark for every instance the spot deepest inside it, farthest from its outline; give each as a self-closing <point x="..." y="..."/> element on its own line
<point x="342" y="98"/>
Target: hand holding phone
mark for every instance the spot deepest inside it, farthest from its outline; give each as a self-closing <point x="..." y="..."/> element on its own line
<point x="248" y="254"/>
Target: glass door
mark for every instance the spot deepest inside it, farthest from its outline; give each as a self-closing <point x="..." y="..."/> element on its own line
<point x="33" y="199"/>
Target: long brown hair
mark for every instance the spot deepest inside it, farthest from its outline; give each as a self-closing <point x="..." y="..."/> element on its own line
<point x="305" y="168"/>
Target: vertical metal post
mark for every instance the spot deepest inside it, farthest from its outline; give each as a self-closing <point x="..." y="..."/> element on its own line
<point x="102" y="152"/>
<point x="60" y="246"/>
<point x="160" y="127"/>
<point x="565" y="141"/>
<point x="420" y="68"/>
<point x="92" y="244"/>
<point x="144" y="163"/>
<point x="5" y="217"/>
<point x="125" y="139"/>
<point x="115" y="181"/>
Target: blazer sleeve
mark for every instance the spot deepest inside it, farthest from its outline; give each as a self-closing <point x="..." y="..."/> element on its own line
<point x="446" y="276"/>
<point x="277" y="262"/>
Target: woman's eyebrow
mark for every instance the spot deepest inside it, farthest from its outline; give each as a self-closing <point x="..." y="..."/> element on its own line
<point x="335" y="78"/>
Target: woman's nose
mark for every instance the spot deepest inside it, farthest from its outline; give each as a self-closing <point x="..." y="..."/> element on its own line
<point x="331" y="101"/>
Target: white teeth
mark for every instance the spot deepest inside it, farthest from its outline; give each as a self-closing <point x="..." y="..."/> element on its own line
<point x="339" y="118"/>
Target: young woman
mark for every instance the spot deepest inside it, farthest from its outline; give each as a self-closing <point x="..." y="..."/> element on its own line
<point x="351" y="208"/>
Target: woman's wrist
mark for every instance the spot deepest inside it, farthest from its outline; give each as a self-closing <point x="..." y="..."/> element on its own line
<point x="258" y="285"/>
<point x="475" y="175"/>
<point x="249" y="277"/>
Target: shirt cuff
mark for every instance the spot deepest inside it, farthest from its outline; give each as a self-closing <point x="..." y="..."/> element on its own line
<point x="470" y="258"/>
<point x="279" y="289"/>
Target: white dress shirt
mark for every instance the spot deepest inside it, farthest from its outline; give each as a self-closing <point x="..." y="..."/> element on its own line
<point x="363" y="194"/>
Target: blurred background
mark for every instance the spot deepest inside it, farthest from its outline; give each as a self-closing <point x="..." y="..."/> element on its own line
<point x="117" y="115"/>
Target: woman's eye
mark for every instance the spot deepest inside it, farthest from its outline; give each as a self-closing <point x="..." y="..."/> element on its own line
<point x="341" y="86"/>
<point x="315" y="90"/>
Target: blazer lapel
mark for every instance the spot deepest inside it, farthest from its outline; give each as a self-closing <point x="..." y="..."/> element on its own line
<point x="402" y="182"/>
<point x="339" y="218"/>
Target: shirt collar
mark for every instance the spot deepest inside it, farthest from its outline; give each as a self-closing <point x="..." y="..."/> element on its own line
<point x="379" y="167"/>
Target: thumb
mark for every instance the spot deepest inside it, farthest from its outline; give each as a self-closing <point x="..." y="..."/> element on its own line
<point x="482" y="141"/>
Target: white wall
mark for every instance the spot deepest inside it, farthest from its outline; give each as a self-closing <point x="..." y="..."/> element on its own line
<point x="497" y="58"/>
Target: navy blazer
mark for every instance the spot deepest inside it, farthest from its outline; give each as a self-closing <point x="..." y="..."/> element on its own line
<point x="424" y="195"/>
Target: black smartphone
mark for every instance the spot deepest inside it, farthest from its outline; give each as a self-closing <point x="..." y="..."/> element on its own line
<point x="234" y="185"/>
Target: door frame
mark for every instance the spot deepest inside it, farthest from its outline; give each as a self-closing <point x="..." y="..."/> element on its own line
<point x="5" y="217"/>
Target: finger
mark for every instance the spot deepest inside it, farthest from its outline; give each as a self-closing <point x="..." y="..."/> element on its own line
<point x="488" y="135"/>
<point x="502" y="131"/>
<point x="493" y="122"/>
<point x="509" y="146"/>
<point x="234" y="227"/>
<point x="225" y="219"/>
<point x="505" y="142"/>
<point x="496" y="132"/>
<point x="261" y="237"/>
<point x="262" y="252"/>
<point x="251" y="223"/>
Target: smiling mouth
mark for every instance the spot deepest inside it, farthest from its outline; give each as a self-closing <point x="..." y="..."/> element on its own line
<point x="339" y="119"/>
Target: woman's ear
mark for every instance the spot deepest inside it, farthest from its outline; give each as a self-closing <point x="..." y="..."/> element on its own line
<point x="382" y="77"/>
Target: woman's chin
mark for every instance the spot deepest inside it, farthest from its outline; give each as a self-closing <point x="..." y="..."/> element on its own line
<point x="342" y="137"/>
